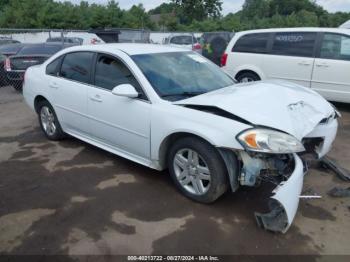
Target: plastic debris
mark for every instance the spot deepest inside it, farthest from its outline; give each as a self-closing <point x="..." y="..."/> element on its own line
<point x="339" y="192"/>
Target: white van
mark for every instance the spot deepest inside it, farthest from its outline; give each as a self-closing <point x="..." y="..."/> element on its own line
<point x="318" y="58"/>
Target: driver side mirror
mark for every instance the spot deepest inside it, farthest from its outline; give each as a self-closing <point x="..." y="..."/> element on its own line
<point x="125" y="90"/>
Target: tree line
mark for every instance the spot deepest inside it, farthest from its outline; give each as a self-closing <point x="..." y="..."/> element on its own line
<point x="177" y="15"/>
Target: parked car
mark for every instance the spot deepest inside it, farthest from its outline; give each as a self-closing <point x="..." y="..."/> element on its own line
<point x="188" y="41"/>
<point x="214" y="45"/>
<point x="5" y="51"/>
<point x="345" y="25"/>
<point x="7" y="40"/>
<point x="3" y="81"/>
<point x="29" y="55"/>
<point x="70" y="40"/>
<point x="318" y="58"/>
<point x="166" y="107"/>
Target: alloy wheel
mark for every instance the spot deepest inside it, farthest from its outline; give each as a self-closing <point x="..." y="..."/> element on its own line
<point x="192" y="172"/>
<point x="48" y="120"/>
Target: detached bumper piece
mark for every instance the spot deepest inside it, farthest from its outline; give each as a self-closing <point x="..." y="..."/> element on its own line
<point x="284" y="203"/>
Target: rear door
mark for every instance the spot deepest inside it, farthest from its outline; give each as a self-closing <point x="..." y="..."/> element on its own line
<point x="68" y="90"/>
<point x="292" y="56"/>
<point x="331" y="76"/>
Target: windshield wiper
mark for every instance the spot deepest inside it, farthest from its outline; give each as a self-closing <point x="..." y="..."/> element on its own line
<point x="189" y="94"/>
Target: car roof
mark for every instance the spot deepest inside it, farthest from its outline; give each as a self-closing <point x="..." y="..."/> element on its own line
<point x="130" y="48"/>
<point x="299" y="29"/>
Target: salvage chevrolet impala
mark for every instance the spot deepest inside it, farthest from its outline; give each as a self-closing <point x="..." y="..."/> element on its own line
<point x="170" y="108"/>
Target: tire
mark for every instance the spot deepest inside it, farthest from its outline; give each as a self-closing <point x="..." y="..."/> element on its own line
<point x="185" y="174"/>
<point x="247" y="77"/>
<point x="48" y="122"/>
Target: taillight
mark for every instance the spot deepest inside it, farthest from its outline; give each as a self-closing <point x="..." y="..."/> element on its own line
<point x="7" y="64"/>
<point x="223" y="59"/>
<point x="196" y="46"/>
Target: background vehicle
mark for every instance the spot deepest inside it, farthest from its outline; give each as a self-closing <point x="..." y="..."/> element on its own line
<point x="3" y="81"/>
<point x="214" y="45"/>
<point x="318" y="58"/>
<point x="188" y="41"/>
<point x="185" y="114"/>
<point x="29" y="55"/>
<point x="70" y="40"/>
<point x="345" y="25"/>
<point x="7" y="40"/>
<point x="5" y="51"/>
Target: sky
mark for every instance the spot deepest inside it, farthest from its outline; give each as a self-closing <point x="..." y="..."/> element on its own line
<point x="228" y="5"/>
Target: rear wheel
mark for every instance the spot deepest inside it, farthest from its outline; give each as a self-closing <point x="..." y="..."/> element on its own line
<point x="197" y="170"/>
<point x="247" y="77"/>
<point x="49" y="122"/>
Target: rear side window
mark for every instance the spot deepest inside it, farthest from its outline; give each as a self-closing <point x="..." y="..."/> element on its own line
<point x="294" y="44"/>
<point x="252" y="43"/>
<point x="54" y="67"/>
<point x="335" y="46"/>
<point x="183" y="40"/>
<point x="77" y="66"/>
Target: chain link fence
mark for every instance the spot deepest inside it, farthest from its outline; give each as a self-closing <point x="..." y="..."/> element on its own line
<point x="210" y="44"/>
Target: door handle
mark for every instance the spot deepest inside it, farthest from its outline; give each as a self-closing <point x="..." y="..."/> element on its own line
<point x="322" y="65"/>
<point x="54" y="85"/>
<point x="96" y="98"/>
<point x="304" y="63"/>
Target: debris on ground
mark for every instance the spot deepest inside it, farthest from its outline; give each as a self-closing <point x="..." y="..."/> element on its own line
<point x="339" y="192"/>
<point x="331" y="164"/>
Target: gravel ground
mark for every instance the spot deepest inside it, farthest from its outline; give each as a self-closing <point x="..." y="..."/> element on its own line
<point x="72" y="198"/>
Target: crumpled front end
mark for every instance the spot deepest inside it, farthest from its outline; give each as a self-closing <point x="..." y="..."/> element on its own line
<point x="286" y="172"/>
<point x="284" y="202"/>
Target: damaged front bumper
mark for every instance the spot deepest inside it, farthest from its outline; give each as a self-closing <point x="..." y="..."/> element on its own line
<point x="284" y="203"/>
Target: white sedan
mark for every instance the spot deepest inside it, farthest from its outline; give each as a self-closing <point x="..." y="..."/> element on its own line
<point x="170" y="108"/>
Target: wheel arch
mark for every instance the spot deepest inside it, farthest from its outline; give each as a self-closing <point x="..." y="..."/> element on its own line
<point x="243" y="71"/>
<point x="169" y="140"/>
<point x="37" y="100"/>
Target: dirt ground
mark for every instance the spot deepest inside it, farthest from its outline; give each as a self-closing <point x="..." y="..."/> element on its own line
<point x="72" y="198"/>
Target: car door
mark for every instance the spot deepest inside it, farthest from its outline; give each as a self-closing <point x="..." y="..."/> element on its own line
<point x="331" y="76"/>
<point x="118" y="122"/>
<point x="291" y="57"/>
<point x="68" y="90"/>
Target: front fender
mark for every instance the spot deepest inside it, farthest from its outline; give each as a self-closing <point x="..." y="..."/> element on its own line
<point x="174" y="119"/>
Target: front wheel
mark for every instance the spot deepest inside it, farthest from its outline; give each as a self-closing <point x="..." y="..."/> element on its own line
<point x="197" y="170"/>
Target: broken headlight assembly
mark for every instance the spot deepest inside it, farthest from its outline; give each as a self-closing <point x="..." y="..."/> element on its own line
<point x="269" y="141"/>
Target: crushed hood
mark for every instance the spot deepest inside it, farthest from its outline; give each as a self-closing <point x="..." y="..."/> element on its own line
<point x="281" y="105"/>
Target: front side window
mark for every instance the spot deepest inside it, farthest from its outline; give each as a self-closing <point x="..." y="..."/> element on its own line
<point x="179" y="75"/>
<point x="335" y="46"/>
<point x="111" y="72"/>
<point x="77" y="66"/>
<point x="252" y="43"/>
<point x="294" y="44"/>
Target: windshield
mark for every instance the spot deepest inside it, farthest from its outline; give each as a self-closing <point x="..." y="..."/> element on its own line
<point x="179" y="75"/>
<point x="40" y="50"/>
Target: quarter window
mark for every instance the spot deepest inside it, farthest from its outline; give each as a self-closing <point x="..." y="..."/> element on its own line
<point x="294" y="44"/>
<point x="110" y="72"/>
<point x="335" y="46"/>
<point x="54" y="67"/>
<point x="77" y="66"/>
<point x="252" y="43"/>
